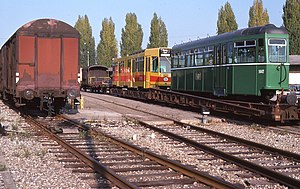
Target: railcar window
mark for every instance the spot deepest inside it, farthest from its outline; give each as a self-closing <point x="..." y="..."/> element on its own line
<point x="218" y="55"/>
<point x="192" y="59"/>
<point x="141" y="64"/>
<point x="261" y="50"/>
<point x="116" y="68"/>
<point x="245" y="54"/>
<point x="240" y="44"/>
<point x="224" y="53"/>
<point x="245" y="51"/>
<point x="277" y="50"/>
<point x="134" y="66"/>
<point x="175" y="60"/>
<point x="154" y="64"/>
<point x="128" y="66"/>
<point x="199" y="58"/>
<point x="181" y="61"/>
<point x="165" y="65"/>
<point x="250" y="43"/>
<point x="188" y="60"/>
<point x="230" y="53"/>
<point x="122" y="67"/>
<point x="209" y="56"/>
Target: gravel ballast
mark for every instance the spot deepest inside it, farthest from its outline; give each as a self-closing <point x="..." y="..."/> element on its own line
<point x="30" y="163"/>
<point x="33" y="167"/>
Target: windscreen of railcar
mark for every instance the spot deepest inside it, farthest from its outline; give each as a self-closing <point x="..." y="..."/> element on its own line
<point x="165" y="64"/>
<point x="277" y="50"/>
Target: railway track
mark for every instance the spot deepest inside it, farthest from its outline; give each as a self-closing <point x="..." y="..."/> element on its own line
<point x="276" y="165"/>
<point x="263" y="112"/>
<point x="287" y="129"/>
<point x="123" y="164"/>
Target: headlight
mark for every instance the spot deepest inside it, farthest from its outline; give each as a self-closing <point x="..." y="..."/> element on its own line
<point x="28" y="94"/>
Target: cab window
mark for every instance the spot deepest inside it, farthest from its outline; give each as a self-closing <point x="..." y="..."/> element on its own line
<point x="154" y="63"/>
<point x="277" y="50"/>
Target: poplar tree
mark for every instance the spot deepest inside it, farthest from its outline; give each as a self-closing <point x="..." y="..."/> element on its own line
<point x="107" y="47"/>
<point x="291" y="17"/>
<point x="131" y="36"/>
<point x="258" y="16"/>
<point x="87" y="41"/>
<point x="158" y="33"/>
<point x="226" y="20"/>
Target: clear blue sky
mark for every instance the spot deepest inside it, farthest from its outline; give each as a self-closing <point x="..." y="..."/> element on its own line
<point x="185" y="19"/>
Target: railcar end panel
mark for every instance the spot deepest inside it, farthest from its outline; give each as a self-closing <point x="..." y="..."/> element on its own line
<point x="70" y="57"/>
<point x="26" y="63"/>
<point x="49" y="62"/>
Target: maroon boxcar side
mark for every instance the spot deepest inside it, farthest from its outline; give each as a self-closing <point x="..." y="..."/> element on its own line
<point x="41" y="61"/>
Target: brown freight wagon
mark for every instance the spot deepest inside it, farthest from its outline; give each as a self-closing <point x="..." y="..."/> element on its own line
<point x="39" y="64"/>
<point x="95" y="78"/>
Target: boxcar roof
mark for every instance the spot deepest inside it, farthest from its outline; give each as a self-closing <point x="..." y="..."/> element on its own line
<point x="97" y="67"/>
<point x="48" y="27"/>
<point x="269" y="28"/>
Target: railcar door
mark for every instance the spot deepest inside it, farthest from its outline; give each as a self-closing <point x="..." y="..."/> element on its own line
<point x="148" y="73"/>
<point x="220" y="71"/>
<point x="48" y="63"/>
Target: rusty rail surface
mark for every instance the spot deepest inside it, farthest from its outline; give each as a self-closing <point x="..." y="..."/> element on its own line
<point x="111" y="175"/>
<point x="275" y="112"/>
<point x="281" y="178"/>
<point x="200" y="176"/>
<point x="97" y="166"/>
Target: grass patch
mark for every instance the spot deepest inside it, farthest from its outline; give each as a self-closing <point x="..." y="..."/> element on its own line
<point x="41" y="153"/>
<point x="255" y="127"/>
<point x="15" y="126"/>
<point x="27" y="153"/>
<point x="83" y="133"/>
<point x="2" y="167"/>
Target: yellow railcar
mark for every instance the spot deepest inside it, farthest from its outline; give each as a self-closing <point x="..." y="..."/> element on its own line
<point x="149" y="68"/>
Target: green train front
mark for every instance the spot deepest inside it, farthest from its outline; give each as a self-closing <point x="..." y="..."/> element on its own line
<point x="247" y="62"/>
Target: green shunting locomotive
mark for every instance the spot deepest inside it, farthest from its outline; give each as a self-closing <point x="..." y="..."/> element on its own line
<point x="251" y="62"/>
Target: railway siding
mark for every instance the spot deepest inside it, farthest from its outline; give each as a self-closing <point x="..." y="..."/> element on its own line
<point x="253" y="131"/>
<point x="28" y="161"/>
<point x="110" y="157"/>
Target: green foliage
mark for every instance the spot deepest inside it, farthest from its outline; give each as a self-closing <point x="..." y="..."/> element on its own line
<point x="291" y="17"/>
<point x="226" y="20"/>
<point x="107" y="47"/>
<point x="87" y="41"/>
<point x="158" y="33"/>
<point x="83" y="134"/>
<point x="258" y="16"/>
<point x="132" y="35"/>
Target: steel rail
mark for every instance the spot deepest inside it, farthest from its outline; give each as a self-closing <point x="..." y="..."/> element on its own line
<point x="95" y="165"/>
<point x="281" y="178"/>
<point x="229" y="137"/>
<point x="198" y="175"/>
<point x="286" y="180"/>
<point x="214" y="103"/>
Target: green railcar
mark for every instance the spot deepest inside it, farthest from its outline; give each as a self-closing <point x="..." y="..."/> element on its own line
<point x="251" y="61"/>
